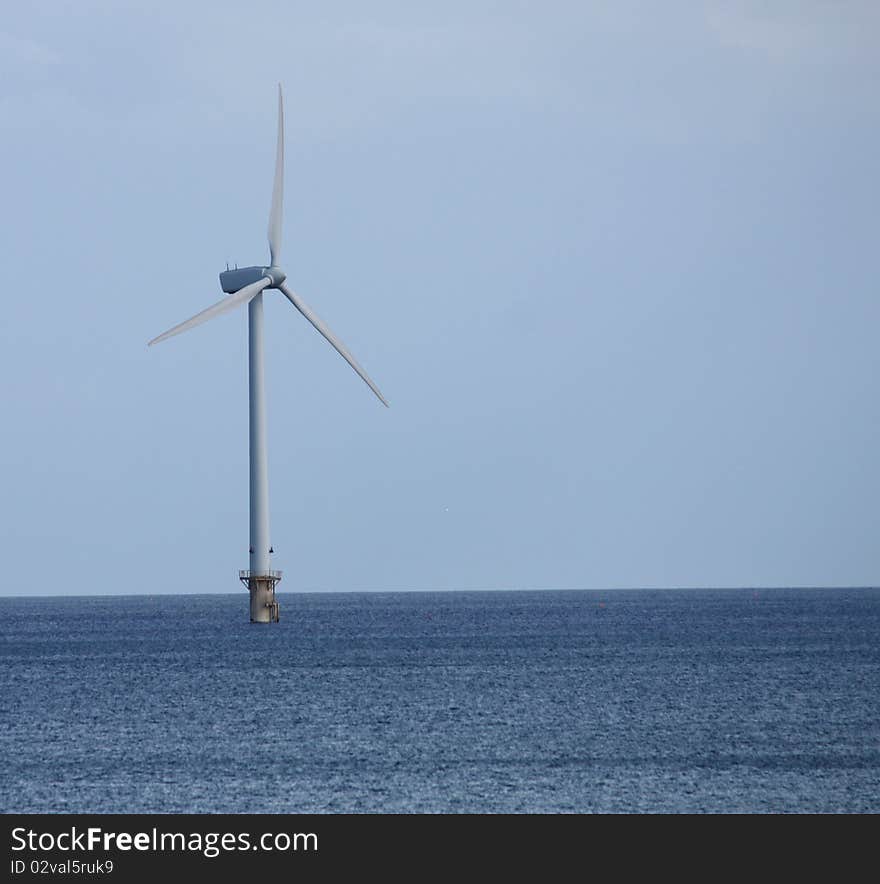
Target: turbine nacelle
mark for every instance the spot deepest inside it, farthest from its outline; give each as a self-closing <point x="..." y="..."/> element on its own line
<point x="232" y="281"/>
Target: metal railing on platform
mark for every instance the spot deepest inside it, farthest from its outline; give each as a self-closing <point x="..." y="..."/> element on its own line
<point x="246" y="575"/>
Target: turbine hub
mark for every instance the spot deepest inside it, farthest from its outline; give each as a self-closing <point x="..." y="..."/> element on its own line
<point x="276" y="274"/>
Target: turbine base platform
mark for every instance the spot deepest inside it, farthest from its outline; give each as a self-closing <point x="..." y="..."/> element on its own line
<point x="264" y="605"/>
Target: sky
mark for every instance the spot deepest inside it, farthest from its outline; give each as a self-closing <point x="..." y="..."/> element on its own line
<point x="613" y="265"/>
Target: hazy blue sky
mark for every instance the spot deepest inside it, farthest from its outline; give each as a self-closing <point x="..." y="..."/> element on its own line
<point x="614" y="265"/>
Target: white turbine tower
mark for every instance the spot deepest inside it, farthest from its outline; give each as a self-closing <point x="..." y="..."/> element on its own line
<point x="245" y="286"/>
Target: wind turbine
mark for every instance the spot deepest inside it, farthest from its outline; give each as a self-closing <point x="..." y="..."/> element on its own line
<point x="245" y="285"/>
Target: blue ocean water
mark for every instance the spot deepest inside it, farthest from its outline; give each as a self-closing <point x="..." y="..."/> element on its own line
<point x="574" y="701"/>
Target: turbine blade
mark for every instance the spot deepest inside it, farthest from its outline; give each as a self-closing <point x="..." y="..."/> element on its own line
<point x="277" y="189"/>
<point x="331" y="338"/>
<point x="242" y="296"/>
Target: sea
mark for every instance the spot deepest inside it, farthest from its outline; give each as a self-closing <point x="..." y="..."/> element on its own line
<point x="618" y="701"/>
